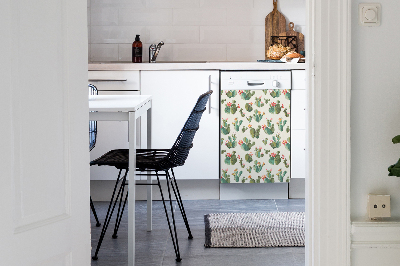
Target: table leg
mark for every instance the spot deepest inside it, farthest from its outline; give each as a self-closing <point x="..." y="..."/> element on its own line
<point x="132" y="190"/>
<point x="149" y="178"/>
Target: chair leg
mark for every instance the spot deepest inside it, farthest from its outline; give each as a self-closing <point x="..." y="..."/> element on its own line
<point x="120" y="211"/>
<point x="94" y="213"/>
<point x="109" y="212"/>
<point x="174" y="239"/>
<point x="180" y="203"/>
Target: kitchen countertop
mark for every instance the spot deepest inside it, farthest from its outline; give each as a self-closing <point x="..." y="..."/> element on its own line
<point x="195" y="66"/>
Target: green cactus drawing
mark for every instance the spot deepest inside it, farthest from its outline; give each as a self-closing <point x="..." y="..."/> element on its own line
<point x="236" y="124"/>
<point x="231" y="142"/>
<point x="285" y="163"/>
<point x="223" y="100"/>
<point x="244" y="128"/>
<point x="230" y="158"/>
<point x="265" y="141"/>
<point x="287" y="94"/>
<point x="258" y="166"/>
<point x="248" y="157"/>
<point x="275" y="108"/>
<point x="269" y="177"/>
<point x="267" y="100"/>
<point x="275" y="158"/>
<point x="249" y="169"/>
<point x="258" y="153"/>
<point x="222" y="151"/>
<point x="249" y="118"/>
<point x="246" y="144"/>
<point x="286" y="143"/>
<point x="281" y="175"/>
<point x="258" y="115"/>
<point x="248" y="107"/>
<point x="225" y="177"/>
<point x="258" y="102"/>
<point x="241" y="112"/>
<point x="222" y="141"/>
<point x="247" y="94"/>
<point x="275" y="93"/>
<point x="281" y="123"/>
<point x="236" y="174"/>
<point x="287" y="129"/>
<point x="269" y="128"/>
<point x="275" y="142"/>
<point x="241" y="162"/>
<point x="225" y="127"/>
<point x="286" y="113"/>
<point x="231" y="93"/>
<point x="255" y="133"/>
<point x="230" y="107"/>
<point x="265" y="92"/>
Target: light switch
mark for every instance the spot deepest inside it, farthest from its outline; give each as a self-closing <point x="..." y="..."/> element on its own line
<point x="369" y="14"/>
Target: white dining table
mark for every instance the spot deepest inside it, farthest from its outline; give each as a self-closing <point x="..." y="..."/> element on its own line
<point x="127" y="108"/>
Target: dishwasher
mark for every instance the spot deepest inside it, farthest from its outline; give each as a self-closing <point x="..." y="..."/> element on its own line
<point x="255" y="127"/>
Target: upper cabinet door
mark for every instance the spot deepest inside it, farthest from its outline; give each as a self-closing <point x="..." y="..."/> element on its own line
<point x="174" y="96"/>
<point x="44" y="159"/>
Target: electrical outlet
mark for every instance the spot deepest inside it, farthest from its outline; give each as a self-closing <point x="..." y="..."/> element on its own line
<point x="378" y="206"/>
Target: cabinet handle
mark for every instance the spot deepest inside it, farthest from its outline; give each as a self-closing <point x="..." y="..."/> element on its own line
<point x="100" y="80"/>
<point x="209" y="99"/>
<point x="254" y="83"/>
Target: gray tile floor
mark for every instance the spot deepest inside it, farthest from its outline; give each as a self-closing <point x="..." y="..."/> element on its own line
<point x="155" y="248"/>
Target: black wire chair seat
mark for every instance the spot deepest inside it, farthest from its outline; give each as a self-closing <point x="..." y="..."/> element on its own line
<point x="154" y="160"/>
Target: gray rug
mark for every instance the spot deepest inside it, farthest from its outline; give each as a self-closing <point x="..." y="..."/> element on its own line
<point x="271" y="229"/>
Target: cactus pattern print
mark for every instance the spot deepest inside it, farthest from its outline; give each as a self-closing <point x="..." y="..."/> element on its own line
<point x="255" y="136"/>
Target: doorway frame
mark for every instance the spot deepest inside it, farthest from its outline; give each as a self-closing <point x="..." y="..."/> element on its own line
<point x="328" y="223"/>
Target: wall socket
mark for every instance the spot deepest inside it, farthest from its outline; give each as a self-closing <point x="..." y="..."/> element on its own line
<point x="378" y="206"/>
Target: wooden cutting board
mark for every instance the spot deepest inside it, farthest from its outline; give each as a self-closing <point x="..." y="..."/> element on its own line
<point x="275" y="23"/>
<point x="292" y="32"/>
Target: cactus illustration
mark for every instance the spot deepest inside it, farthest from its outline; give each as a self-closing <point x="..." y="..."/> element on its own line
<point x="265" y="141"/>
<point x="258" y="166"/>
<point x="258" y="153"/>
<point x="251" y="179"/>
<point x="286" y="143"/>
<point x="222" y="151"/>
<point x="231" y="93"/>
<point x="287" y="94"/>
<point x="246" y="144"/>
<point x="255" y="133"/>
<point x="241" y="162"/>
<point x="275" y="93"/>
<point x="281" y="175"/>
<point x="275" y="108"/>
<point x="225" y="177"/>
<point x="249" y="169"/>
<point x="286" y="113"/>
<point x="258" y="102"/>
<point x="230" y="107"/>
<point x="267" y="100"/>
<point x="269" y="128"/>
<point x="287" y="129"/>
<point x="241" y="112"/>
<point x="281" y="123"/>
<point x="285" y="163"/>
<point x="236" y="124"/>
<point x="258" y="115"/>
<point x="275" y="158"/>
<point x="223" y="100"/>
<point x="236" y="174"/>
<point x="248" y="107"/>
<point x="249" y="118"/>
<point x="230" y="158"/>
<point x="247" y="94"/>
<point x="225" y="127"/>
<point x="244" y="129"/>
<point x="222" y="141"/>
<point x="275" y="142"/>
<point x="248" y="157"/>
<point x="231" y="142"/>
<point x="269" y="177"/>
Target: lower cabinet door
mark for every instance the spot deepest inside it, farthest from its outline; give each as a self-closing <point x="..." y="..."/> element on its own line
<point x="174" y="96"/>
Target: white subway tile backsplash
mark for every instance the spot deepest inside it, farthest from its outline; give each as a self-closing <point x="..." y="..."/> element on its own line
<point x="104" y="52"/>
<point x="125" y="52"/>
<point x="172" y="3"/>
<point x="224" y="34"/>
<point x="250" y="52"/>
<point x="145" y="17"/>
<point x="173" y="34"/>
<point x="199" y="52"/>
<point x="119" y="3"/>
<point x="115" y="34"/>
<point x="166" y="53"/>
<point x="199" y="16"/>
<point x="246" y="17"/>
<point x="214" y="3"/>
<point x="105" y="16"/>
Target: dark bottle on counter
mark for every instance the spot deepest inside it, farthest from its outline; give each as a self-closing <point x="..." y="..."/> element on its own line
<point x="137" y="50"/>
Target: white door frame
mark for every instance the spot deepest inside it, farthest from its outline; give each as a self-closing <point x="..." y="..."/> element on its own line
<point x="329" y="82"/>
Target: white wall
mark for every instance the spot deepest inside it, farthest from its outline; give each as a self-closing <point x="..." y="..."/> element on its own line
<point x="375" y="108"/>
<point x="193" y="30"/>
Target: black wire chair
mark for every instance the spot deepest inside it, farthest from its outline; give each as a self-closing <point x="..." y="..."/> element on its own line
<point x="92" y="143"/>
<point x="149" y="161"/>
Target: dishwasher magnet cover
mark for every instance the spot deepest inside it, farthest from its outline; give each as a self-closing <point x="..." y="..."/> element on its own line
<point x="255" y="136"/>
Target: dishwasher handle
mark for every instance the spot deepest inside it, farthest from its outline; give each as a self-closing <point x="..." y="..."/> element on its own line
<point x="249" y="83"/>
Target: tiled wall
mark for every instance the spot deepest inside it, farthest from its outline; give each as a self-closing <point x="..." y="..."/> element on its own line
<point x="192" y="30"/>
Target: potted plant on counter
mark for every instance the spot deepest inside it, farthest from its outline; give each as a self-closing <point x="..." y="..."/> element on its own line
<point x="394" y="170"/>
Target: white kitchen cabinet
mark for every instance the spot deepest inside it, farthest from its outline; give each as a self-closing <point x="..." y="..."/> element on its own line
<point x="112" y="134"/>
<point x="174" y="96"/>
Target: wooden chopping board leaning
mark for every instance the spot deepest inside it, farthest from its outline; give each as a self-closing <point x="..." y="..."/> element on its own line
<point x="275" y="23"/>
<point x="299" y="36"/>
